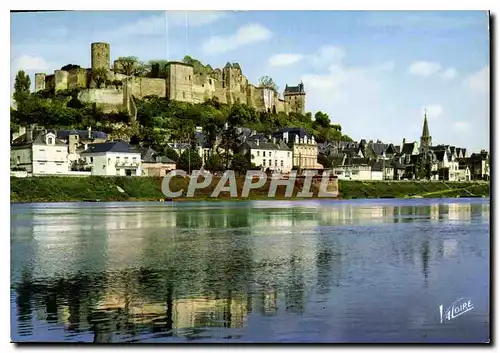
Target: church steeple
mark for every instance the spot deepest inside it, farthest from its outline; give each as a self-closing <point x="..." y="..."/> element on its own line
<point x="425" y="139"/>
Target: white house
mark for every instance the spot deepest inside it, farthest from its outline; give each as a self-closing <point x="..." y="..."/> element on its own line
<point x="113" y="158"/>
<point x="276" y="155"/>
<point x="447" y="165"/>
<point x="39" y="152"/>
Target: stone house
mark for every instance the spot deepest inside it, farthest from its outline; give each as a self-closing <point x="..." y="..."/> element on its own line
<point x="275" y="155"/>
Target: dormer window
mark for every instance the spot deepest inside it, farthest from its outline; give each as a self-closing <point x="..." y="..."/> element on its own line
<point x="50" y="140"/>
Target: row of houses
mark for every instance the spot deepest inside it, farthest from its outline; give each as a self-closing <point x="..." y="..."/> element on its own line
<point x="87" y="152"/>
<point x="379" y="161"/>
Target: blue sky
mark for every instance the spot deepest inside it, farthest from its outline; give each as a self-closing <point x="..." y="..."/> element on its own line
<point x="373" y="72"/>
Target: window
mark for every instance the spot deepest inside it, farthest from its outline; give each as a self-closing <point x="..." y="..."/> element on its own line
<point x="276" y="163"/>
<point x="58" y="150"/>
<point x="134" y="158"/>
<point x="49" y="140"/>
<point x="59" y="164"/>
<point x="263" y="162"/>
<point x="258" y="153"/>
<point x="288" y="154"/>
<point x="109" y="161"/>
<point x="41" y="150"/>
<point x="263" y="153"/>
<point x="91" y="159"/>
<point x="41" y="163"/>
<point x="282" y="163"/>
<point x="269" y="153"/>
<point x="104" y="166"/>
<point x="126" y="158"/>
<point x="270" y="162"/>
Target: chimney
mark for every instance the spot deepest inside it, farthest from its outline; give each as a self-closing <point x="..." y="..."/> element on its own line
<point x="257" y="142"/>
<point x="285" y="137"/>
<point x="404" y="140"/>
<point x="89" y="129"/>
<point x="29" y="134"/>
<point x="274" y="140"/>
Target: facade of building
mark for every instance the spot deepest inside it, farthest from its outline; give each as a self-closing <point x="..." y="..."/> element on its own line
<point x="275" y="155"/>
<point x="303" y="146"/>
<point x="39" y="152"/>
<point x="113" y="158"/>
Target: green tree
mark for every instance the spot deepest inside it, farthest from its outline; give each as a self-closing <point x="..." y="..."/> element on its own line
<point x="172" y="154"/>
<point x="69" y="67"/>
<point x="214" y="163"/>
<point x="130" y="65"/>
<point x="99" y="76"/>
<point x="268" y="82"/>
<point x="22" y="85"/>
<point x="321" y="119"/>
<point x="189" y="160"/>
<point x="241" y="163"/>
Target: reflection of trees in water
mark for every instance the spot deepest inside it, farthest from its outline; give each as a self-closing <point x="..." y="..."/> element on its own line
<point x="295" y="289"/>
<point x="328" y="262"/>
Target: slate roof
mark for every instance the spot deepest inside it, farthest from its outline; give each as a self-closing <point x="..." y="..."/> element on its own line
<point x="439" y="155"/>
<point x="391" y="149"/>
<point x="38" y="138"/>
<point x="379" y="148"/>
<point x="279" y="145"/>
<point x="115" y="146"/>
<point x="147" y="154"/>
<point x="292" y="132"/>
<point x="408" y="148"/>
<point x="295" y="89"/>
<point x="84" y="134"/>
<point x="398" y="149"/>
<point x="163" y="159"/>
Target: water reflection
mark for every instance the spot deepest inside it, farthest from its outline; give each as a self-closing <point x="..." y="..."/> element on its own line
<point x="111" y="273"/>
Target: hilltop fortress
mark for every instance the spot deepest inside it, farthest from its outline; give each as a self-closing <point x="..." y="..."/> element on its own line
<point x="181" y="83"/>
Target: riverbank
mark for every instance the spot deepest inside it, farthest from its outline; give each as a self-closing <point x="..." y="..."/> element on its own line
<point x="66" y="189"/>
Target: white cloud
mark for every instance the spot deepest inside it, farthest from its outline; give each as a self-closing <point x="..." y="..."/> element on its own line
<point x="285" y="59"/>
<point x="251" y="33"/>
<point x="157" y="24"/>
<point x="479" y="81"/>
<point x="194" y="18"/>
<point x="449" y="74"/>
<point x="434" y="111"/>
<point x="461" y="125"/>
<point x="327" y="55"/>
<point x="31" y="63"/>
<point x="428" y="20"/>
<point x="424" y="68"/>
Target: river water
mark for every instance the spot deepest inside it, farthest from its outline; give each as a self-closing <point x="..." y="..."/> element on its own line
<point x="261" y="271"/>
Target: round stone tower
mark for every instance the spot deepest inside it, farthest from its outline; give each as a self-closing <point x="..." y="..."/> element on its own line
<point x="100" y="56"/>
<point x="39" y="82"/>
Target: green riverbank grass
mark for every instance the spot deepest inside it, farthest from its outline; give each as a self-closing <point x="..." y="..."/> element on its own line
<point x="65" y="189"/>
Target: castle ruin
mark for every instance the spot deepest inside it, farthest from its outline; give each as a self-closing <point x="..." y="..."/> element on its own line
<point x="228" y="85"/>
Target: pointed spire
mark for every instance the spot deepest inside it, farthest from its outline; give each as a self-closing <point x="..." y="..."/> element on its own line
<point x="425" y="131"/>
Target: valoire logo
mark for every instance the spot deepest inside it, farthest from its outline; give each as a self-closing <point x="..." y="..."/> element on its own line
<point x="459" y="307"/>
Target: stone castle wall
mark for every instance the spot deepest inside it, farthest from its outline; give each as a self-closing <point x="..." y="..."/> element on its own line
<point x="108" y="99"/>
<point x="228" y="85"/>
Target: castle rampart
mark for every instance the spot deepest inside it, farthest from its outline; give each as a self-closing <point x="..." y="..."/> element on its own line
<point x="39" y="82"/>
<point x="61" y="80"/>
<point x="182" y="83"/>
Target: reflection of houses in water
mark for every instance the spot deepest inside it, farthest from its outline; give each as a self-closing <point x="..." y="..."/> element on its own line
<point x="449" y="247"/>
<point x="434" y="211"/>
<point x="459" y="211"/>
<point x="186" y="312"/>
